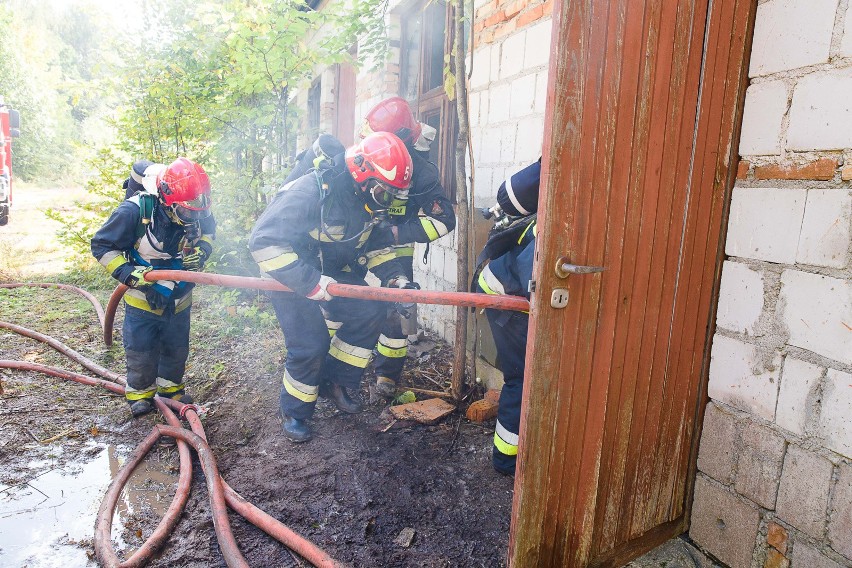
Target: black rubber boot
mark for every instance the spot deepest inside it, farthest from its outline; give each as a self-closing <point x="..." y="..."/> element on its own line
<point x="341" y="399"/>
<point x="296" y="430"/>
<point x="141" y="407"/>
<point x="386" y="387"/>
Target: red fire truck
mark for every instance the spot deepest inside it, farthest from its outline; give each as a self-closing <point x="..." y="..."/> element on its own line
<point x="10" y="124"/>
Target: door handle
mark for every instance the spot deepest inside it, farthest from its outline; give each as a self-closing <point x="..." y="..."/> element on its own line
<point x="564" y="268"/>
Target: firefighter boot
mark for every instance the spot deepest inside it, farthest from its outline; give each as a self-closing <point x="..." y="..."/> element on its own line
<point x="296" y="430"/>
<point x="341" y="399"/>
<point x="141" y="407"/>
<point x="385" y="387"/>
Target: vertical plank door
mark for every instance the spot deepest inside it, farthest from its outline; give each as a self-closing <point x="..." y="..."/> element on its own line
<point x="642" y="120"/>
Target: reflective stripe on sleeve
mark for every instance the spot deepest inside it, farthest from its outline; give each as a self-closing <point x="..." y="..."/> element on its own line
<point x="489" y="283"/>
<point x="434" y="228"/>
<point x="506" y="442"/>
<point x="392" y="347"/>
<point x="350" y="354"/>
<point x="303" y="392"/>
<point x="112" y="260"/>
<point x="274" y="257"/>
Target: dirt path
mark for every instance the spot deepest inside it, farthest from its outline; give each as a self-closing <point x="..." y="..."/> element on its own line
<point x="28" y="244"/>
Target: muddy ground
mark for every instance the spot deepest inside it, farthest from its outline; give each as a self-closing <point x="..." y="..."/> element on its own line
<point x="352" y="490"/>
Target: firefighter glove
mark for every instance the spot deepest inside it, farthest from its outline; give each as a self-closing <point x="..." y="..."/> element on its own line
<point x="136" y="279"/>
<point x="196" y="257"/>
<point x="320" y="291"/>
<point x="156" y="300"/>
<point x="402" y="283"/>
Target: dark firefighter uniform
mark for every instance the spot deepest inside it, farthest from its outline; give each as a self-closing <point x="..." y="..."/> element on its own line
<point x="309" y="230"/>
<point x="156" y="319"/>
<point x="425" y="216"/>
<point x="509" y="274"/>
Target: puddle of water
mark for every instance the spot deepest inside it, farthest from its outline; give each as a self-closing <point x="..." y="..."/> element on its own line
<point x="41" y="520"/>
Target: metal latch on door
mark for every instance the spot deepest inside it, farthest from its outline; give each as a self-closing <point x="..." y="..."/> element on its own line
<point x="559" y="296"/>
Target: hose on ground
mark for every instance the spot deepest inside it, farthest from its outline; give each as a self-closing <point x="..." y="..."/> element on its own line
<point x="157" y="539"/>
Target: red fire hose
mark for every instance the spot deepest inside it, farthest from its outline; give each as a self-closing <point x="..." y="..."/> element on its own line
<point x="253" y="514"/>
<point x="465" y="299"/>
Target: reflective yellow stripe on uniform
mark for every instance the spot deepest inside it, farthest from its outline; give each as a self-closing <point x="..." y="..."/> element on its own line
<point x="131" y="393"/>
<point x="136" y="298"/>
<point x="404" y="250"/>
<point x="332" y="326"/>
<point x="207" y="239"/>
<point x="167" y="387"/>
<point x="524" y="234"/>
<point x="433" y="228"/>
<point x="489" y="283"/>
<point x="112" y="260"/>
<point x="350" y="354"/>
<point x="506" y="442"/>
<point x="273" y="257"/>
<point x="392" y="347"/>
<point x="380" y="256"/>
<point x="329" y="235"/>
<point x="305" y="393"/>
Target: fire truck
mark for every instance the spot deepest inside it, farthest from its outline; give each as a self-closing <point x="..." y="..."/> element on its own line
<point x="10" y="124"/>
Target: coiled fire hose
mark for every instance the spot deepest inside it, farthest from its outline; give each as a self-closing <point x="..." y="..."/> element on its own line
<point x="220" y="492"/>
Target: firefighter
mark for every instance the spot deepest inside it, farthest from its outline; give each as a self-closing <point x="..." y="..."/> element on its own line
<point x="317" y="231"/>
<point x="169" y="228"/>
<point x="511" y="250"/>
<point x="422" y="216"/>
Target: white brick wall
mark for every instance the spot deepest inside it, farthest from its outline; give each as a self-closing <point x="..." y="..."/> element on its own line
<point x="825" y="237"/>
<point x="798" y="397"/>
<point x="790" y="34"/>
<point x="512" y="55"/>
<point x="821" y="112"/>
<point x="765" y="106"/>
<point x="846" y="42"/>
<point x="764" y="223"/>
<point x="744" y="376"/>
<point x="817" y="311"/>
<point x="740" y="298"/>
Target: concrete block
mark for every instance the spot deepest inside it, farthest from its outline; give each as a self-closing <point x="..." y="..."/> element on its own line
<point x="840" y="513"/>
<point x="723" y="525"/>
<point x="523" y="96"/>
<point x="803" y="493"/>
<point x="540" y="92"/>
<point x="537" y="52"/>
<point x="817" y="310"/>
<point x="806" y="556"/>
<point x="473" y="109"/>
<point x="529" y="140"/>
<point x="789" y="34"/>
<point x="759" y="466"/>
<point x="489" y="151"/>
<point x="834" y="421"/>
<point x="481" y="73"/>
<point x="826" y="234"/>
<point x="846" y="42"/>
<point x="740" y="298"/>
<point x="508" y="135"/>
<point x="765" y="223"/>
<point x="821" y="112"/>
<point x="495" y="62"/>
<point x="498" y="103"/>
<point x="717" y="454"/>
<point x="765" y="107"/>
<point x="744" y="376"/>
<point x="797" y="399"/>
<point x="512" y="55"/>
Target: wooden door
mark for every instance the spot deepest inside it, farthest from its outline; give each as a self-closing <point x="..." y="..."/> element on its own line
<point x="639" y="157"/>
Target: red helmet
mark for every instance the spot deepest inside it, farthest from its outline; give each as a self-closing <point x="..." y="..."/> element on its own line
<point x="392" y="115"/>
<point x="185" y="187"/>
<point x="381" y="165"/>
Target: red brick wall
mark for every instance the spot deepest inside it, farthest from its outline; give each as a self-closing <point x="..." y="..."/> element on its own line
<point x="499" y="18"/>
